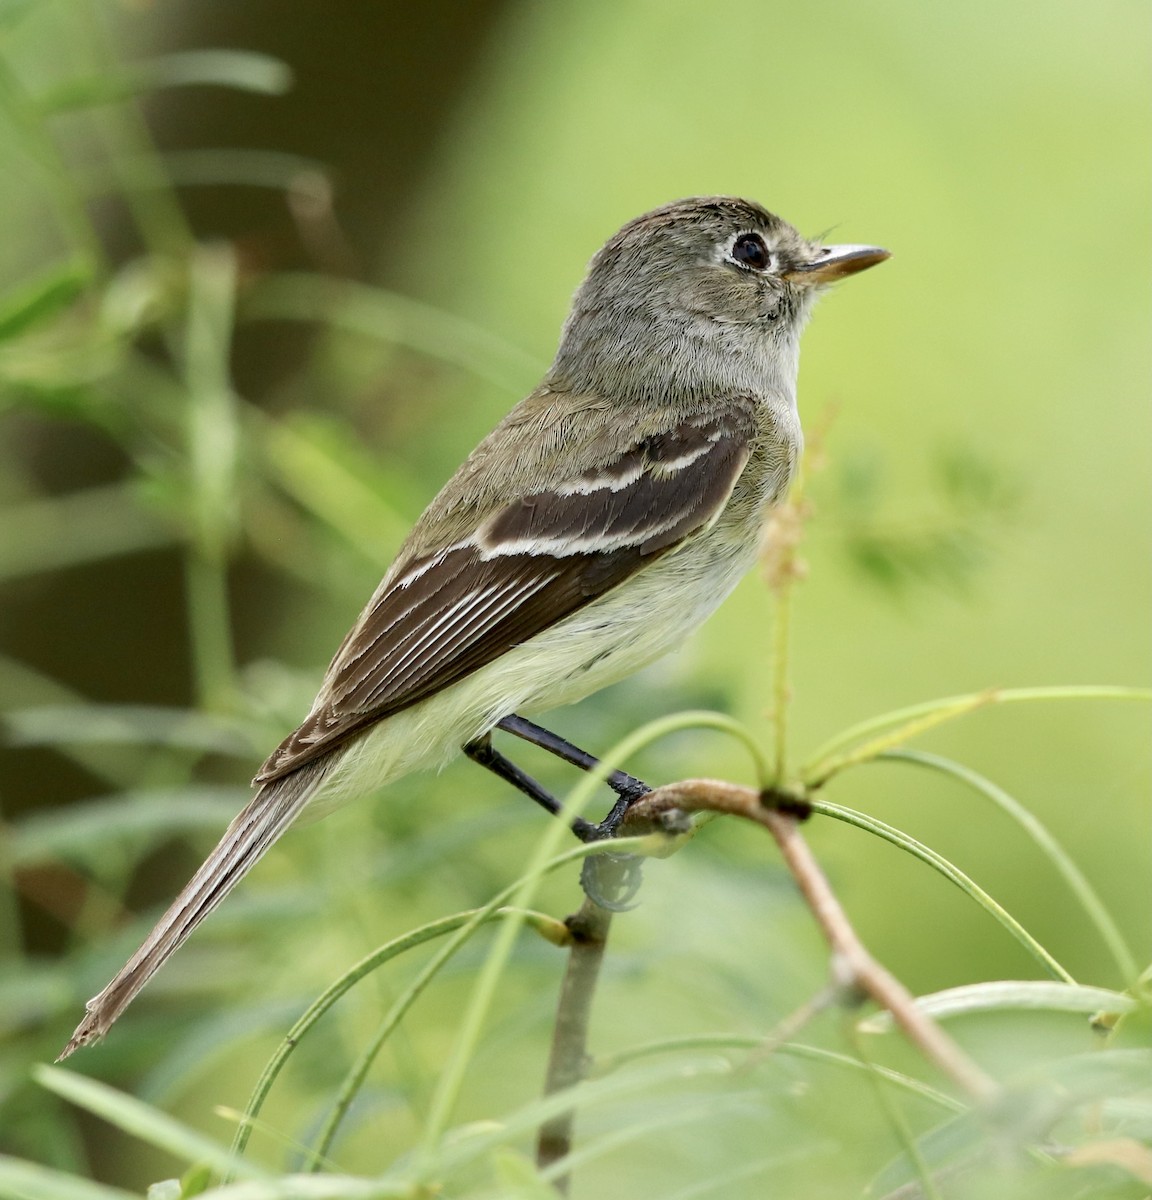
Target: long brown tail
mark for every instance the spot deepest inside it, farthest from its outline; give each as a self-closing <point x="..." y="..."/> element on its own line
<point x="274" y="807"/>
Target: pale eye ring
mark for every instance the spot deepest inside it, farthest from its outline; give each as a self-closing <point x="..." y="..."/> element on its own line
<point x="749" y="250"/>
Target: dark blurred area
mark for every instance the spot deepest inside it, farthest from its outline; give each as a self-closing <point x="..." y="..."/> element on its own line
<point x="373" y="86"/>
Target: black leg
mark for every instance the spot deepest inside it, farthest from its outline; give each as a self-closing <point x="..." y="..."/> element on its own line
<point x="626" y="786"/>
<point x="483" y="752"/>
<point x="610" y="880"/>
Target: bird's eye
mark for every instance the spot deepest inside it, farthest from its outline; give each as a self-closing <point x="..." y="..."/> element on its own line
<point x="749" y="251"/>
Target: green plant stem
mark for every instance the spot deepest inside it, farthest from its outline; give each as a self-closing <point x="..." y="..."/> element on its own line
<point x="781" y="690"/>
<point x="826" y="761"/>
<point x="1077" y="882"/>
<point x="212" y="440"/>
<point x="466" y="924"/>
<point x="451" y="1079"/>
<point x="38" y="142"/>
<point x="143" y="180"/>
<point x="723" y="1041"/>
<point x="895" y="1117"/>
<point x="390" y="950"/>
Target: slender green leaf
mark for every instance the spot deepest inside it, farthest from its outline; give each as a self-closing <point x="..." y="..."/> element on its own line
<point x="467" y="1146"/>
<point x="1024" y="1114"/>
<point x="142" y="1120"/>
<point x="29" y="1181"/>
<point x="950" y="872"/>
<point x="825" y="759"/>
<point x="85" y="832"/>
<point x="605" y="1064"/>
<point x="1084" y="892"/>
<point x="694" y="1111"/>
<point x="1010" y="994"/>
<point x="89" y="525"/>
<point x="466" y="923"/>
<point x="96" y="724"/>
<point x="42" y="298"/>
<point x="244" y="70"/>
<point x="483" y="995"/>
<point x="314" y="1187"/>
<point x="398" y="320"/>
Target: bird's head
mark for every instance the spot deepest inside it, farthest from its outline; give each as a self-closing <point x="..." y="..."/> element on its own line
<point x="700" y="276"/>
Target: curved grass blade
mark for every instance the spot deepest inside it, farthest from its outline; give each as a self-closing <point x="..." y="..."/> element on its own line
<point x="1084" y="892"/>
<point x="732" y="1041"/>
<point x="827" y="760"/>
<point x="20" y="1180"/>
<point x="390" y="950"/>
<point x="142" y="1120"/>
<point x="242" y="70"/>
<point x="1011" y="994"/>
<point x="950" y="872"/>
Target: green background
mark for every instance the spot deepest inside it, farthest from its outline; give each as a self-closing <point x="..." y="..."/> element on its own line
<point x="980" y="518"/>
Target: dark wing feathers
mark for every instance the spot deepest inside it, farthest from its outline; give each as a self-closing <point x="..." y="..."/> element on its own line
<point x="531" y="564"/>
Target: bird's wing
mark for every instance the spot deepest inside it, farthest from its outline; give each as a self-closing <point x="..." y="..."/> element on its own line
<point x="529" y="565"/>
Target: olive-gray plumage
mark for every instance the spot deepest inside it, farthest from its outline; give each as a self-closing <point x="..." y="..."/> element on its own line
<point x="602" y="520"/>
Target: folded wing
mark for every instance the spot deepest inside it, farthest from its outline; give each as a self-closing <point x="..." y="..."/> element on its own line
<point x="527" y="567"/>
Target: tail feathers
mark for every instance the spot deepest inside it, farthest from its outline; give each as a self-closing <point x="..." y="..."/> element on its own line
<point x="274" y="807"/>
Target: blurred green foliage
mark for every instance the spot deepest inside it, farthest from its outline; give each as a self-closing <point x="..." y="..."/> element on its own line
<point x="264" y="433"/>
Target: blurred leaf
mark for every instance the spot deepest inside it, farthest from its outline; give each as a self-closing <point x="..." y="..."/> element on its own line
<point x="222" y="165"/>
<point x="199" y="1045"/>
<point x="389" y="317"/>
<point x="29" y="1181"/>
<point x="85" y="833"/>
<point x="42" y="298"/>
<point x="196" y="1180"/>
<point x="1026" y="1112"/>
<point x="111" y="723"/>
<point x="59" y="364"/>
<point x="34" y="687"/>
<point x="975" y="485"/>
<point x="518" y="1177"/>
<point x="1129" y="1155"/>
<point x="57" y="532"/>
<point x="1028" y="994"/>
<point x="141" y="1120"/>
<point x="139" y="293"/>
<point x="244" y="70"/>
<point x="323" y="467"/>
<point x="941" y="544"/>
<point x="29" y="998"/>
<point x="312" y="1187"/>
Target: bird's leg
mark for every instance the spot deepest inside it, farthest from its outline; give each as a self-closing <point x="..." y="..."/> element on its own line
<point x="627" y="787"/>
<point x="483" y="752"/>
<point x="610" y="880"/>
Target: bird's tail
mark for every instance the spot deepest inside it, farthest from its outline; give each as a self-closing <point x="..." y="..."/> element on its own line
<point x="274" y="807"/>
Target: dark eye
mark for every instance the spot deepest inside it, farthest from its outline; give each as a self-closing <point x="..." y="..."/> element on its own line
<point x="749" y="250"/>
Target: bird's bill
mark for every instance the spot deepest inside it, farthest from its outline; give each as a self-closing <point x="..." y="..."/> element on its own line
<point x="834" y="262"/>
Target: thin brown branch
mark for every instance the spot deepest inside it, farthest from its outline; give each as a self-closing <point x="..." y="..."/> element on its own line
<point x="567" y="1065"/>
<point x="853" y="966"/>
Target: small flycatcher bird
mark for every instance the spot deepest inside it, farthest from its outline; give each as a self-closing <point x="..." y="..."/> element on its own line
<point x="601" y="521"/>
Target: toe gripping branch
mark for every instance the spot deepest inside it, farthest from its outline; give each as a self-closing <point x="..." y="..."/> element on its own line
<point x="609" y="880"/>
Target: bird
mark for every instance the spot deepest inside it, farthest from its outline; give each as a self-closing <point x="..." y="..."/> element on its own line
<point x="603" y="519"/>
